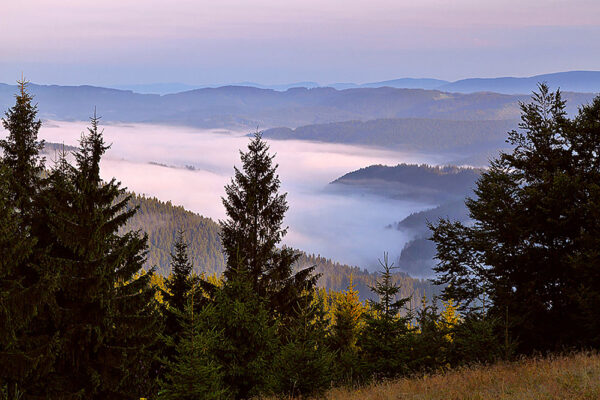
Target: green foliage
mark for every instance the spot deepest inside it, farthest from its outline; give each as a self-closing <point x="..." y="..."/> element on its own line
<point x="247" y="341"/>
<point x="21" y="151"/>
<point x="383" y="340"/>
<point x="177" y="286"/>
<point x="532" y="254"/>
<point x="104" y="310"/>
<point x="304" y="364"/>
<point x="255" y="211"/>
<point x="194" y="373"/>
<point x="27" y="285"/>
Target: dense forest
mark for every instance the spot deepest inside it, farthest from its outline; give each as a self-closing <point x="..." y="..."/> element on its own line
<point x="162" y="221"/>
<point x="432" y="135"/>
<point x="80" y="317"/>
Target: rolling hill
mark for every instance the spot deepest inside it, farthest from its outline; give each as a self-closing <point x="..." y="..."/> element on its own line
<point x="162" y="220"/>
<point x="445" y="186"/>
<point x="434" y="135"/>
<point x="240" y="107"/>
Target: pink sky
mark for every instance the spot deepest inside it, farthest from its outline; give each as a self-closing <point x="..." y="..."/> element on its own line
<point x="126" y="41"/>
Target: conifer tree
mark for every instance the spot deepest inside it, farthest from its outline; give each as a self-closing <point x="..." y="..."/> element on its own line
<point x="194" y="373"/>
<point x="105" y="316"/>
<point x="178" y="286"/>
<point x="21" y="152"/>
<point x="531" y="254"/>
<point x="247" y="343"/>
<point x="304" y="363"/>
<point x="384" y="340"/>
<point x="255" y="211"/>
<point x="27" y="348"/>
<point x="345" y="331"/>
<point x="17" y="307"/>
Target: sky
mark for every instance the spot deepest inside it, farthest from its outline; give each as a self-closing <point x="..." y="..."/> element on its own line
<point x="117" y="42"/>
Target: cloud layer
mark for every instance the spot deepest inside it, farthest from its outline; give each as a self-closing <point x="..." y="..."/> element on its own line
<point x="350" y="229"/>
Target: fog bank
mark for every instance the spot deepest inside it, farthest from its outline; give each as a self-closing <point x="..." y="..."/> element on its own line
<point x="347" y="228"/>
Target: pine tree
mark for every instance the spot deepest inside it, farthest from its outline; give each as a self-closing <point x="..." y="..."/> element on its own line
<point x="531" y="255"/>
<point x="17" y="305"/>
<point x="253" y="229"/>
<point x="26" y="282"/>
<point x="179" y="283"/>
<point x="178" y="286"/>
<point x="247" y="343"/>
<point x="194" y="373"/>
<point x="105" y="316"/>
<point x="383" y="342"/>
<point x="21" y="152"/>
<point x="304" y="364"/>
<point x="345" y="331"/>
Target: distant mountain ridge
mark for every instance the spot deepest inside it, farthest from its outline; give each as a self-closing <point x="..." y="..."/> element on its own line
<point x="245" y="108"/>
<point x="572" y="81"/>
<point x="405" y="133"/>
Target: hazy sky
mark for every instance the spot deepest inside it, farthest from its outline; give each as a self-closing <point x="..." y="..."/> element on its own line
<point x="276" y="41"/>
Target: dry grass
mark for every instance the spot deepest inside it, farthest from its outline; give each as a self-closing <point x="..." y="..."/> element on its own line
<point x="574" y="376"/>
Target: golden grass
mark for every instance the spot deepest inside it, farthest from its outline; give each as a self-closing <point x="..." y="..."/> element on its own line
<point x="575" y="376"/>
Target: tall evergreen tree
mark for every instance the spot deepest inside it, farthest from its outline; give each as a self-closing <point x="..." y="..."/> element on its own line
<point x="532" y="253"/>
<point x="255" y="211"/>
<point x="105" y="316"/>
<point x="21" y="151"/>
<point x="26" y="283"/>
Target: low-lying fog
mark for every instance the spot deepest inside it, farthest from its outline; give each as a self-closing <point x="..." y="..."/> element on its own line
<point x="348" y="229"/>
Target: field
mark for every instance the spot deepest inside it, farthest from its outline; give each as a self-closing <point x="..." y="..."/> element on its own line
<point x="575" y="376"/>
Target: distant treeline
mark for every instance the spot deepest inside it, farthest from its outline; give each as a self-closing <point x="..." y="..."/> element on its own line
<point x="432" y="135"/>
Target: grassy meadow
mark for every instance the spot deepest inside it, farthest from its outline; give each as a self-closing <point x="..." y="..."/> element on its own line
<point x="575" y="376"/>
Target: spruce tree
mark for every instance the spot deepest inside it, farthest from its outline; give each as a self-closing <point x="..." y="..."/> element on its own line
<point x="304" y="363"/>
<point x="179" y="283"/>
<point x="194" y="373"/>
<point x="531" y="255"/>
<point x="247" y="343"/>
<point x="16" y="306"/>
<point x="178" y="286"/>
<point x="255" y="211"/>
<point x="344" y="334"/>
<point x="21" y="152"/>
<point x="27" y="283"/>
<point x="384" y="339"/>
<point x="105" y="315"/>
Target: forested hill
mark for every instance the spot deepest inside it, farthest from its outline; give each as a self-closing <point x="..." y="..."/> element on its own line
<point x="405" y="133"/>
<point x="161" y="220"/>
<point x="410" y="181"/>
<point x="239" y="107"/>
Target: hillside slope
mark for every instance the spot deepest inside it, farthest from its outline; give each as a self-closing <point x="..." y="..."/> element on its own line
<point x="570" y="377"/>
<point x="405" y="133"/>
<point x="162" y="220"/>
